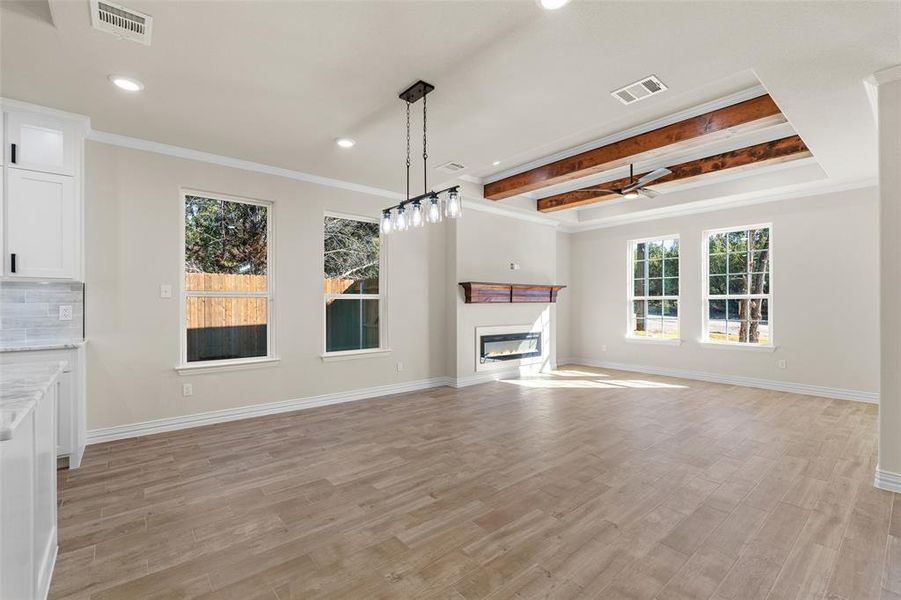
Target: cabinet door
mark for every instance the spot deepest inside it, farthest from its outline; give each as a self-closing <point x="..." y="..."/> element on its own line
<point x="41" y="225"/>
<point x="17" y="512"/>
<point x="40" y="143"/>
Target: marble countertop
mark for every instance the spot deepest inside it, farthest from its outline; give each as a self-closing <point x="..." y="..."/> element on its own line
<point x="28" y="347"/>
<point x="21" y="387"/>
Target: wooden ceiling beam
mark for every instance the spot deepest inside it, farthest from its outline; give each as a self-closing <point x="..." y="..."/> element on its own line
<point x="749" y="115"/>
<point x="782" y="150"/>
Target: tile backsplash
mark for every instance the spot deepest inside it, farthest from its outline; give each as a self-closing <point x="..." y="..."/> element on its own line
<point x="29" y="312"/>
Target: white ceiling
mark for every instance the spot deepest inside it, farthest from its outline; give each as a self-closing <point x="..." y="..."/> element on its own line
<point x="276" y="82"/>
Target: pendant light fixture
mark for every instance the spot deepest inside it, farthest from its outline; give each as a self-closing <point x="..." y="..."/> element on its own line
<point x="409" y="213"/>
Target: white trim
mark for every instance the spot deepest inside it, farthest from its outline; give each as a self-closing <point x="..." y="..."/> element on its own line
<point x="888" y="481"/>
<point x="221" y="366"/>
<point x="738" y="346"/>
<point x="18" y="105"/>
<point x="713" y="204"/>
<point x="767" y="384"/>
<point x="748" y="94"/>
<point x="115" y="139"/>
<point x="631" y="339"/>
<point x="108" y="434"/>
<point x="887" y="75"/>
<point x="355" y="354"/>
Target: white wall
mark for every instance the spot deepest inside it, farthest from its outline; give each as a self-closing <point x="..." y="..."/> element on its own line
<point x="825" y="287"/>
<point x="486" y="244"/>
<point x="563" y="328"/>
<point x="132" y="246"/>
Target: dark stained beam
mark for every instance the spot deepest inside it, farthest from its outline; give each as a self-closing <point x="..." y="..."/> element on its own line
<point x="749" y="115"/>
<point x="782" y="150"/>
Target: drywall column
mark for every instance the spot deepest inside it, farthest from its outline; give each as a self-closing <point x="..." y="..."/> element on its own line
<point x="888" y="472"/>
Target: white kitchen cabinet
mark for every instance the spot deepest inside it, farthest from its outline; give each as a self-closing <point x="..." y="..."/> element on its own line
<point x="41" y="225"/>
<point x="70" y="418"/>
<point x="16" y="513"/>
<point x="45" y="531"/>
<point x="39" y="142"/>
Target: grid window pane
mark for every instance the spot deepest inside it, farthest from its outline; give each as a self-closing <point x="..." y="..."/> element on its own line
<point x="717" y="285"/>
<point x="738" y="241"/>
<point x="226" y="328"/>
<point x="716" y="264"/>
<point x="655" y="274"/>
<point x="225" y="245"/>
<point x="351" y="324"/>
<point x="717" y="243"/>
<point x="760" y="261"/>
<point x="760" y="238"/>
<point x="738" y="284"/>
<point x="738" y="262"/>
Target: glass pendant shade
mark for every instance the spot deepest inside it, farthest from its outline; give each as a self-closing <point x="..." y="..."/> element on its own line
<point x="433" y="215"/>
<point x="386" y="221"/>
<point x="400" y="220"/>
<point x="416" y="215"/>
<point x="453" y="207"/>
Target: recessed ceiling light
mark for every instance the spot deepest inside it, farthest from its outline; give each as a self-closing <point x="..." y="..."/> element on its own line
<point x="126" y="83"/>
<point x="495" y="163"/>
<point x="346" y="142"/>
<point x="552" y="4"/>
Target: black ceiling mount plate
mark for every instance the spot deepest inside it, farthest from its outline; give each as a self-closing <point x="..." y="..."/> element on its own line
<point x="416" y="91"/>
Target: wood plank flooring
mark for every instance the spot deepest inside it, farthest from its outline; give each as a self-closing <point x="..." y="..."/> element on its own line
<point x="585" y="484"/>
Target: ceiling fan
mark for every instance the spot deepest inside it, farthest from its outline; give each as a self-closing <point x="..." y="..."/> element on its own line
<point x="636" y="188"/>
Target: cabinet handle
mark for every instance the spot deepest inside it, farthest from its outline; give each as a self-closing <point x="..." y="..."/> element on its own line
<point x="12" y="262"/>
<point x="12" y="153"/>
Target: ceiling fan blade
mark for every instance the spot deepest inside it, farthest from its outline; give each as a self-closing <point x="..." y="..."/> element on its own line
<point x="647" y="178"/>
<point x="648" y="193"/>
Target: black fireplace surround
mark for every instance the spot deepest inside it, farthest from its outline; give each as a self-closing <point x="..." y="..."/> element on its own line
<point x="509" y="346"/>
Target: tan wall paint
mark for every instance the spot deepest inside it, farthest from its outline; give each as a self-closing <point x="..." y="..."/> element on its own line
<point x="132" y="246"/>
<point x="825" y="285"/>
<point x="890" y="272"/>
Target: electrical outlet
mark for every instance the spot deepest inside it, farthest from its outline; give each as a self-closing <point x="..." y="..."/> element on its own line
<point x="514" y="266"/>
<point x="165" y="290"/>
<point x="781" y="364"/>
<point x="65" y="312"/>
<point x="400" y="367"/>
<point x="187" y="389"/>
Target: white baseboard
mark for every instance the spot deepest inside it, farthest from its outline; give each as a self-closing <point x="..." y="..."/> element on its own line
<point x="767" y="384"/>
<point x="460" y="382"/>
<point x="888" y="481"/>
<point x="108" y="434"/>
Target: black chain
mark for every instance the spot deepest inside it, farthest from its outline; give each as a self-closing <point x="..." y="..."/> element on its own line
<point x="425" y="154"/>
<point x="408" y="150"/>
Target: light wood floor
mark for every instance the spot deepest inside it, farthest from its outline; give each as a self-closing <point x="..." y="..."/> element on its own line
<point x="588" y="484"/>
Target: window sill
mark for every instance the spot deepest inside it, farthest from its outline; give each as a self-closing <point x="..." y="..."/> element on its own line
<point x="739" y="346"/>
<point x="650" y="340"/>
<point x="219" y="366"/>
<point x="355" y="354"/>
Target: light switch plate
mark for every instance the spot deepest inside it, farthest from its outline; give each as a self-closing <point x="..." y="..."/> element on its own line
<point x="165" y="290"/>
<point x="65" y="312"/>
<point x="187" y="389"/>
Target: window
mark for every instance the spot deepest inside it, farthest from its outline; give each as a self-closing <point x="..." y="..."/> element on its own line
<point x="738" y="293"/>
<point x="353" y="291"/>
<point x="227" y="285"/>
<point x="654" y="288"/>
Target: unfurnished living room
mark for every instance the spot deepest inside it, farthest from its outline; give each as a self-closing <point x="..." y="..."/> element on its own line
<point x="450" y="300"/>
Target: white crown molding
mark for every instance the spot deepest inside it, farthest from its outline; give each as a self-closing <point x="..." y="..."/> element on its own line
<point x="888" y="481"/>
<point x="124" y="141"/>
<point x="767" y="384"/>
<point x="729" y="100"/>
<point x="82" y="120"/>
<point x="535" y="217"/>
<point x="713" y="204"/>
<point x="887" y="75"/>
<point x="108" y="434"/>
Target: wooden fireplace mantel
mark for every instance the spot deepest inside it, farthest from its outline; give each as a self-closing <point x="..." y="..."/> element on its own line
<point x="482" y="292"/>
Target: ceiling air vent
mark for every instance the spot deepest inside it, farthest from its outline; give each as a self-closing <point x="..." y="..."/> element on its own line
<point x="641" y="89"/>
<point x="450" y="167"/>
<point x="122" y="22"/>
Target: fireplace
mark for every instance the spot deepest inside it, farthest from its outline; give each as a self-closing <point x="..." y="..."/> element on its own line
<point x="512" y="347"/>
<point x="509" y="346"/>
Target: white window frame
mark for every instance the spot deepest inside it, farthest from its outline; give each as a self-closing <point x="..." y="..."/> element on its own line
<point x="383" y="347"/>
<point x="216" y="365"/>
<point x="706" y="297"/>
<point x="630" y="292"/>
